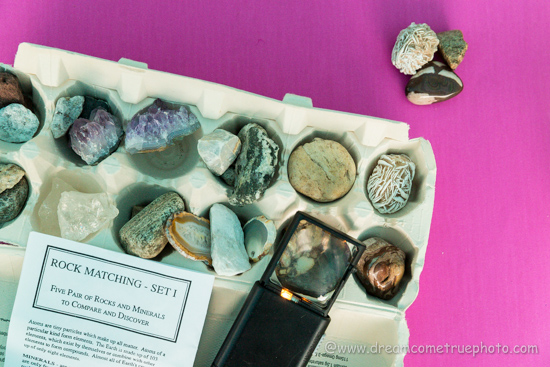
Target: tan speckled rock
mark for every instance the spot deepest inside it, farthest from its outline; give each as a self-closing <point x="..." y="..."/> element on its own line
<point x="144" y="234"/>
<point x="452" y="47"/>
<point x="322" y="170"/>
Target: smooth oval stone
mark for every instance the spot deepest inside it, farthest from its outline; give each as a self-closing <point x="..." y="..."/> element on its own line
<point x="67" y="111"/>
<point x="322" y="170"/>
<point x="390" y="184"/>
<point x="381" y="268"/>
<point x="435" y="82"/>
<point x="229" y="256"/>
<point x="17" y="123"/>
<point x="313" y="262"/>
<point x="255" y="166"/>
<point x="144" y="234"/>
<point x="10" y="90"/>
<point x="13" y="200"/>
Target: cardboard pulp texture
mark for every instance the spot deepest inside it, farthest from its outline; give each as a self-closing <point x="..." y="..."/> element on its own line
<point x="357" y="318"/>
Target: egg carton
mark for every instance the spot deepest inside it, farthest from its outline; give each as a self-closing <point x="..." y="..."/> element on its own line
<point x="129" y="87"/>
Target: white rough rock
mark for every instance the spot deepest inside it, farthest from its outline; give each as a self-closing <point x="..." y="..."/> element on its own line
<point x="47" y="213"/>
<point x="219" y="150"/>
<point x="83" y="214"/>
<point x="229" y="256"/>
<point x="415" y="47"/>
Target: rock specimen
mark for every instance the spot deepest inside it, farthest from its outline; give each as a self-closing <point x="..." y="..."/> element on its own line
<point x="259" y="236"/>
<point x="82" y="214"/>
<point x="256" y="165"/>
<point x="10" y="90"/>
<point x="229" y="176"/>
<point x="136" y="209"/>
<point x="390" y="184"/>
<point x="14" y="190"/>
<point x="90" y="104"/>
<point x="219" y="150"/>
<point x="190" y="236"/>
<point x="452" y="47"/>
<point x="381" y="268"/>
<point x="17" y="123"/>
<point x="144" y="234"/>
<point x="322" y="170"/>
<point x="49" y="221"/>
<point x="158" y="127"/>
<point x="435" y="82"/>
<point x="67" y="111"/>
<point x="229" y="256"/>
<point x="415" y="46"/>
<point x="313" y="262"/>
<point x="94" y="140"/>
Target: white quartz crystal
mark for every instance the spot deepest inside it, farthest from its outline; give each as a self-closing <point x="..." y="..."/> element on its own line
<point x="47" y="213"/>
<point x="229" y="256"/>
<point x="83" y="214"/>
<point x="219" y="150"/>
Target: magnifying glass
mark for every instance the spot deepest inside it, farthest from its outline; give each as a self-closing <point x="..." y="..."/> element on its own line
<point x="286" y="312"/>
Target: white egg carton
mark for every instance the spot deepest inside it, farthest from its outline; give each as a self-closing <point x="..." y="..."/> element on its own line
<point x="128" y="86"/>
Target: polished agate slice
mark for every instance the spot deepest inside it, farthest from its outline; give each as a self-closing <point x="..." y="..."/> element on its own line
<point x="313" y="262"/>
<point x="190" y="236"/>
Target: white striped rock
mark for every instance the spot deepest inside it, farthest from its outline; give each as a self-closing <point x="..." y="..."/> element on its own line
<point x="390" y="183"/>
<point x="435" y="82"/>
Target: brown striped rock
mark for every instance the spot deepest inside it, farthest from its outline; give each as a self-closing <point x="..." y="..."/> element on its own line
<point x="435" y="82"/>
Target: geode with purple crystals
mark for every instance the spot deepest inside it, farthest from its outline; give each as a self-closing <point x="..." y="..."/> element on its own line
<point x="95" y="139"/>
<point x="158" y="127"/>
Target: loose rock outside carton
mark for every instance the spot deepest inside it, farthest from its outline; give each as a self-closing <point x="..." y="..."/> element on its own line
<point x="129" y="87"/>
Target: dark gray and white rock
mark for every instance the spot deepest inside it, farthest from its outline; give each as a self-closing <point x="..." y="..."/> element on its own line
<point x="144" y="234"/>
<point x="219" y="150"/>
<point x="90" y="104"/>
<point x="452" y="47"/>
<point x="10" y="90"/>
<point x="229" y="176"/>
<point x="14" y="190"/>
<point x="381" y="268"/>
<point x="67" y="111"/>
<point x="229" y="255"/>
<point x="256" y="165"/>
<point x="322" y="170"/>
<point x="435" y="82"/>
<point x="17" y="123"/>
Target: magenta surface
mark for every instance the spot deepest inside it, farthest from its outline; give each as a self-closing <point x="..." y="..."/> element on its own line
<point x="486" y="270"/>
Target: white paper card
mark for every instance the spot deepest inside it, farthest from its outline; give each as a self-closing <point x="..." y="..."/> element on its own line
<point x="79" y="305"/>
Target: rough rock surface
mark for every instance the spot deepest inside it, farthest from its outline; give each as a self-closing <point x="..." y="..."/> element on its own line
<point x="229" y="255"/>
<point x="67" y="111"/>
<point x="95" y="139"/>
<point x="390" y="184"/>
<point x="452" y="47"/>
<point x="435" y="82"/>
<point x="47" y="213"/>
<point x="414" y="47"/>
<point x="144" y="234"/>
<point x="158" y="127"/>
<point x="229" y="176"/>
<point x="10" y="90"/>
<point x="90" y="104"/>
<point x="14" y="190"/>
<point x="322" y="170"/>
<point x="381" y="268"/>
<point x="17" y="123"/>
<point x="219" y="150"/>
<point x="256" y="165"/>
<point x="82" y="214"/>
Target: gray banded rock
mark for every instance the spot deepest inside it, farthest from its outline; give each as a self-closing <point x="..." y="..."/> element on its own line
<point x="435" y="82"/>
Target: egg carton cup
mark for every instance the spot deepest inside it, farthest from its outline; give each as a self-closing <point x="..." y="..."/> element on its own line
<point x="129" y="87"/>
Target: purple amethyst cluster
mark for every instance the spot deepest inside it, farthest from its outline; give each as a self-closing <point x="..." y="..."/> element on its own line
<point x="158" y="127"/>
<point x="95" y="139"/>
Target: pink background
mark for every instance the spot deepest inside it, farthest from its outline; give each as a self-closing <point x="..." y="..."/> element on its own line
<point x="486" y="270"/>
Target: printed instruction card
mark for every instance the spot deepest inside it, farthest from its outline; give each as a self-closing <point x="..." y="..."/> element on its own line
<point x="79" y="305"/>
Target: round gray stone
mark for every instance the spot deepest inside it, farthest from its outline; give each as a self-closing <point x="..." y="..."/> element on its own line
<point x="13" y="200"/>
